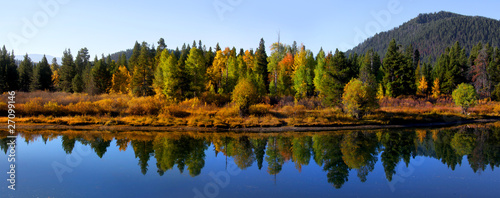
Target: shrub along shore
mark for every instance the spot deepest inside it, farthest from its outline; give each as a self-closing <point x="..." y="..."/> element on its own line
<point x="120" y="111"/>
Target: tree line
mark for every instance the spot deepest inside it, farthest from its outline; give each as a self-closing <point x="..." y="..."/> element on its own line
<point x="289" y="70"/>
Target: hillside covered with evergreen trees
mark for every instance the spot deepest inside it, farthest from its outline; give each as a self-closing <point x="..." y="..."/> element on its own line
<point x="432" y="33"/>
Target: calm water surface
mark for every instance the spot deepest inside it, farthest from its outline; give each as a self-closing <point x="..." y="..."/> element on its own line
<point x="458" y="162"/>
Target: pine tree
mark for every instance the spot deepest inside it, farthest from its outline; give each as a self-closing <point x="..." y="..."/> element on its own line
<point x="25" y="73"/>
<point x="67" y="72"/>
<point x="136" y="51"/>
<point x="123" y="60"/>
<point x="394" y="65"/>
<point x="195" y="70"/>
<point x="456" y="68"/>
<point x="78" y="83"/>
<point x="9" y="75"/>
<point x="405" y="75"/>
<point x="81" y="60"/>
<point x="101" y="76"/>
<point x="260" y="69"/>
<point x="42" y="76"/>
<point x="142" y="77"/>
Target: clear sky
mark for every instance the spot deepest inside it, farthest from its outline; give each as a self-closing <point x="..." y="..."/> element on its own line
<point x="110" y="26"/>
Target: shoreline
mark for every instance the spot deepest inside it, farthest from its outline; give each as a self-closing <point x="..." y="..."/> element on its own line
<point x="252" y="129"/>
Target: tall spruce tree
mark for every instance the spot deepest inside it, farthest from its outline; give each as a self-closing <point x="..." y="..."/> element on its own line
<point x="67" y="72"/>
<point x="195" y="71"/>
<point x="101" y="75"/>
<point x="392" y="62"/>
<point x="142" y="77"/>
<point x="260" y="68"/>
<point x="42" y="76"/>
<point x="25" y="73"/>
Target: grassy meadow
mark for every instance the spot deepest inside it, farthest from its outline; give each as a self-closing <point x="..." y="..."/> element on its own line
<point x="69" y="109"/>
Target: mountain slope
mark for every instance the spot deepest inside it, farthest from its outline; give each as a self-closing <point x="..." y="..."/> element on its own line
<point x="432" y="33"/>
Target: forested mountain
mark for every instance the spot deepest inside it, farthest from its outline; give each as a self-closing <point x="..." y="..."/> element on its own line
<point x="432" y="33"/>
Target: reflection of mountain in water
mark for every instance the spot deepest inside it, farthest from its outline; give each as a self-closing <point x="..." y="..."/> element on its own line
<point x="337" y="153"/>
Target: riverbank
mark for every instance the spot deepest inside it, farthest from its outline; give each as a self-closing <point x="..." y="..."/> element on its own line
<point x="301" y="128"/>
<point x="57" y="110"/>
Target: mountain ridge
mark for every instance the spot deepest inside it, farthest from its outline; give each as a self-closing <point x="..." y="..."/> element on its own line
<point x="432" y="33"/>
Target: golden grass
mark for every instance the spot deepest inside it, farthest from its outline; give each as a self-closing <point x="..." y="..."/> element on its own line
<point x="116" y="109"/>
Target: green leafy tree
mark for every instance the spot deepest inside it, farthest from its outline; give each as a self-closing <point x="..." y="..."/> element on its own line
<point x="320" y="72"/>
<point x="277" y="54"/>
<point x="300" y="69"/>
<point x="465" y="96"/>
<point x="244" y="95"/>
<point x="359" y="98"/>
<point x="167" y="76"/>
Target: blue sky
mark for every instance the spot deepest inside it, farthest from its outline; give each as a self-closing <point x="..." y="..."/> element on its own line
<point x="111" y="26"/>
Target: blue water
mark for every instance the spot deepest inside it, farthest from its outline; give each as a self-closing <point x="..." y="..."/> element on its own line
<point x="391" y="164"/>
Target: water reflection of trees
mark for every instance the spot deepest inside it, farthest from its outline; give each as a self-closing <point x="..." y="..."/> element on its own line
<point x="337" y="153"/>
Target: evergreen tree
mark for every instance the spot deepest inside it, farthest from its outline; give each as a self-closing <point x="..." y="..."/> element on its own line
<point x="195" y="70"/>
<point x="394" y="64"/>
<point x="67" y="72"/>
<point x="260" y="68"/>
<point x="142" y="77"/>
<point x="136" y="51"/>
<point x="42" y="76"/>
<point x="456" y="69"/>
<point x="81" y="60"/>
<point x="25" y="73"/>
<point x="404" y="83"/>
<point x="101" y="76"/>
<point x="9" y="75"/>
<point x="78" y="83"/>
<point x="123" y="60"/>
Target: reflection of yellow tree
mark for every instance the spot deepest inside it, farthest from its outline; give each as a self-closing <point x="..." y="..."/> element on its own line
<point x="421" y="134"/>
<point x="359" y="152"/>
<point x="122" y="144"/>
<point x="244" y="156"/>
<point x="301" y="149"/>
